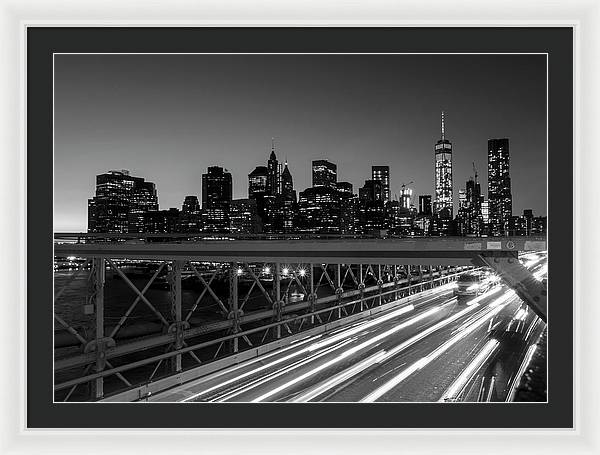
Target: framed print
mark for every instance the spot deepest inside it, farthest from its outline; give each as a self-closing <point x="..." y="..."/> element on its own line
<point x="293" y="230"/>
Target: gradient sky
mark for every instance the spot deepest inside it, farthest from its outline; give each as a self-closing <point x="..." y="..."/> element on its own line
<point x="167" y="117"/>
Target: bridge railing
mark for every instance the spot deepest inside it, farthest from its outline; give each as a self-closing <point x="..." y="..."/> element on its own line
<point x="99" y="362"/>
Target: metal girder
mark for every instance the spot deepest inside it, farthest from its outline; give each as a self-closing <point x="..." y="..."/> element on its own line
<point x="519" y="278"/>
<point x="426" y="251"/>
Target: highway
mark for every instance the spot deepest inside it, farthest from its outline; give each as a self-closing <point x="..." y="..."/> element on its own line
<point x="432" y="348"/>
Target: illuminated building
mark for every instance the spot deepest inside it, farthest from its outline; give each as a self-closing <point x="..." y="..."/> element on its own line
<point x="443" y="176"/>
<point x="499" y="186"/>
<point x="273" y="173"/>
<point x="405" y="197"/>
<point x="324" y="173"/>
<point x="120" y="203"/>
<point x="216" y="199"/>
<point x="382" y="174"/>
<point x="319" y="210"/>
<point x="257" y="182"/>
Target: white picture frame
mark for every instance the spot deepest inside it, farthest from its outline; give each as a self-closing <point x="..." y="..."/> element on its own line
<point x="584" y="15"/>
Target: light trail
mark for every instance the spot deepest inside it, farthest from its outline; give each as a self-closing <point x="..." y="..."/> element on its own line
<point x="465" y="377"/>
<point x="340" y="377"/>
<point x="264" y="379"/>
<point x="493" y="309"/>
<point x="349" y="353"/>
<point x="522" y="368"/>
<point x="326" y="342"/>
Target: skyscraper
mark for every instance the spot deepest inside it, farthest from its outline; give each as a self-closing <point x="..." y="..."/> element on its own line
<point x="425" y="205"/>
<point x="257" y="182"/>
<point x="499" y="188"/>
<point x="287" y="184"/>
<point x="120" y="203"/>
<point x="273" y="173"/>
<point x="190" y="215"/>
<point x="382" y="174"/>
<point x="443" y="207"/>
<point x="216" y="199"/>
<point x="324" y="173"/>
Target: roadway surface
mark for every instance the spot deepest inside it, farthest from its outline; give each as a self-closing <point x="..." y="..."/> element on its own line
<point x="434" y="348"/>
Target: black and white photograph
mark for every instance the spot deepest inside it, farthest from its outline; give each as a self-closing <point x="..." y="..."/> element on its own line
<point x="301" y="228"/>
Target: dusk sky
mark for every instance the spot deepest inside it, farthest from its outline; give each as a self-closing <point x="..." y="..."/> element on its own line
<point x="168" y="117"/>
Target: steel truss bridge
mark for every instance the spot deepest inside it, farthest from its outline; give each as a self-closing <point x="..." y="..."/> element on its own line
<point x="336" y="281"/>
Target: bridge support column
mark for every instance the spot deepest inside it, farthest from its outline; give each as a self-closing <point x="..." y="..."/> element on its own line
<point x="379" y="283"/>
<point x="176" y="314"/>
<point x="408" y="277"/>
<point x="277" y="290"/>
<point x="233" y="304"/>
<point x="361" y="286"/>
<point x="98" y="278"/>
<point x="312" y="295"/>
<point x="338" y="289"/>
<point x="519" y="278"/>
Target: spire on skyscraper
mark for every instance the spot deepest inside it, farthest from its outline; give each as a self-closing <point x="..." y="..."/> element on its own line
<point x="443" y="126"/>
<point x="272" y="156"/>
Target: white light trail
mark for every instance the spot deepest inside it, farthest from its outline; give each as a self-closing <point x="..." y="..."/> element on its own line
<point x="344" y="355"/>
<point x="494" y="308"/>
<point x="326" y="342"/>
<point x="264" y="379"/>
<point x="463" y="379"/>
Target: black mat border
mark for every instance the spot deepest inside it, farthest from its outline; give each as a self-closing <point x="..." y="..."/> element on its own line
<point x="43" y="41"/>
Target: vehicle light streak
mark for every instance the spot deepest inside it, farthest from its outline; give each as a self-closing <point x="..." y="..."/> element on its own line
<point x="344" y="355"/>
<point x="326" y="342"/>
<point x="338" y="378"/>
<point x="264" y="379"/>
<point x="492" y="311"/>
<point x="467" y="374"/>
<point x="522" y="368"/>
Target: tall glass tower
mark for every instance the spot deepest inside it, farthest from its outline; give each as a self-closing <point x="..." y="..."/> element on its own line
<point x="499" y="187"/>
<point x="443" y="176"/>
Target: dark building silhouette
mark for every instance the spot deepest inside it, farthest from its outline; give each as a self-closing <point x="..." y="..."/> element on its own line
<point x="382" y="174"/>
<point x="425" y="205"/>
<point x="372" y="208"/>
<point x="443" y="206"/>
<point x="190" y="218"/>
<point x="120" y="203"/>
<point x="324" y="173"/>
<point x="244" y="217"/>
<point x="499" y="187"/>
<point x="216" y="199"/>
<point x="162" y="221"/>
<point x="349" y="209"/>
<point x="287" y="201"/>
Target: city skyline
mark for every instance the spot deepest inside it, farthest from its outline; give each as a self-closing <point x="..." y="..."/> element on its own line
<point x="173" y="182"/>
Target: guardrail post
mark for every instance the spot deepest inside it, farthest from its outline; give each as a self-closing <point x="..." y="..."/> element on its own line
<point x="98" y="276"/>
